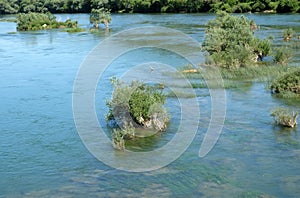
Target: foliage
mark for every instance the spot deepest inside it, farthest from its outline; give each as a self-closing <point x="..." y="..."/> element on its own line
<point x="121" y="134"/>
<point x="230" y="42"/>
<point x="135" y="105"/>
<point x="39" y="21"/>
<point x="282" y="55"/>
<point x="9" y="7"/>
<point x="288" y="34"/>
<point x="288" y="83"/>
<point x="100" y="16"/>
<point x="288" y="6"/>
<point x="146" y="6"/>
<point x="141" y="101"/>
<point x="74" y="30"/>
<point x="27" y="6"/>
<point x="285" y="117"/>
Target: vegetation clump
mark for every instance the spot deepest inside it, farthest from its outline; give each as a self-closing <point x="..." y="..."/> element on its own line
<point x="136" y="105"/>
<point x="288" y="34"/>
<point x="285" y="117"/>
<point x="40" y="21"/>
<point x="282" y="55"/>
<point x="98" y="16"/>
<point x="287" y="85"/>
<point x="121" y="134"/>
<point x="230" y="42"/>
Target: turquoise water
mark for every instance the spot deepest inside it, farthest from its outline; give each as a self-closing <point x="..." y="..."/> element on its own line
<point x="41" y="153"/>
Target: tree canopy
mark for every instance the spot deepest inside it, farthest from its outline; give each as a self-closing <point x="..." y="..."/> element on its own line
<point x="149" y="6"/>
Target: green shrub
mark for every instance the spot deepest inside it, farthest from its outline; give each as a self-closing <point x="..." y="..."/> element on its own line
<point x="121" y="134"/>
<point x="285" y="117"/>
<point x="40" y="21"/>
<point x="282" y="55"/>
<point x="287" y="84"/>
<point x="137" y="101"/>
<point x="288" y="34"/>
<point x="230" y="41"/>
<point x="134" y="106"/>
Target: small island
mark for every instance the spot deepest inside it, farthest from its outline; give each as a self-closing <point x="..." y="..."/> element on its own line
<point x="133" y="106"/>
<point x="42" y="21"/>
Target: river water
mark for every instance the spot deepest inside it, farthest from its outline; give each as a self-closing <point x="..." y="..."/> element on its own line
<point x="42" y="155"/>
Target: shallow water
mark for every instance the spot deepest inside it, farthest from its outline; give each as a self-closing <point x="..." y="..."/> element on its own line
<point x="41" y="153"/>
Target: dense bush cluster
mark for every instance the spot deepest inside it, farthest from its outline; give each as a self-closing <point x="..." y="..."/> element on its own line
<point x="287" y="85"/>
<point x="231" y="43"/>
<point x="85" y="6"/>
<point x="39" y="21"/>
<point x="136" y="103"/>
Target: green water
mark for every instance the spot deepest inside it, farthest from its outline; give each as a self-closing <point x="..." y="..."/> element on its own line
<point x="42" y="155"/>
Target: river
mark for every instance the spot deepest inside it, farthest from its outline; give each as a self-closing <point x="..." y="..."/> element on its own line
<point x="42" y="154"/>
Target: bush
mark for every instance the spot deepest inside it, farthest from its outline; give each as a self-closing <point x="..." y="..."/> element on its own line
<point x="230" y="41"/>
<point x="287" y="84"/>
<point x="137" y="104"/>
<point x="40" y="21"/>
<point x="282" y="55"/>
<point x="120" y="135"/>
<point x="285" y="117"/>
<point x="288" y="34"/>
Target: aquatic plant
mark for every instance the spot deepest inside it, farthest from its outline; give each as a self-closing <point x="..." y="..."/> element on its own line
<point x="121" y="134"/>
<point x="285" y="117"/>
<point x="288" y="34"/>
<point x="74" y="30"/>
<point x="287" y="84"/>
<point x="282" y="55"/>
<point x="230" y="42"/>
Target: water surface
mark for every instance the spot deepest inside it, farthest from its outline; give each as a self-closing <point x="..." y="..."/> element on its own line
<point x="41" y="153"/>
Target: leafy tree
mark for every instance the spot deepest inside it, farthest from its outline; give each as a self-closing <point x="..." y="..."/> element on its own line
<point x="9" y="6"/>
<point x="288" y="6"/>
<point x="54" y="6"/>
<point x="100" y="16"/>
<point x="32" y="6"/>
<point x="230" y="41"/>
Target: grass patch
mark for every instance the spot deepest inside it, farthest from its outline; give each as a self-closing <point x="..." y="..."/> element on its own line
<point x="233" y="78"/>
<point x="74" y="30"/>
<point x="180" y="94"/>
<point x="257" y="73"/>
